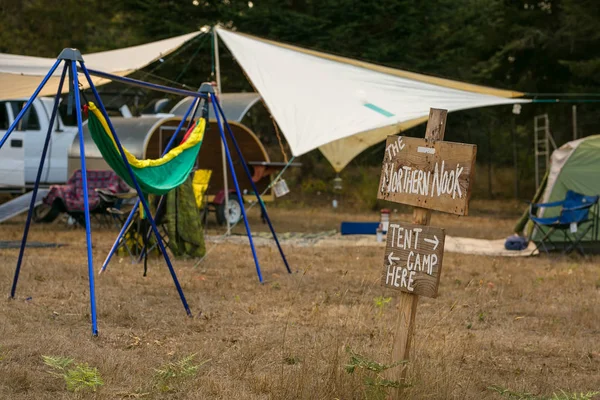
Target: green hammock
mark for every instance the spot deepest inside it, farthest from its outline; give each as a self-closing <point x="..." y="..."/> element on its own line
<point x="157" y="176"/>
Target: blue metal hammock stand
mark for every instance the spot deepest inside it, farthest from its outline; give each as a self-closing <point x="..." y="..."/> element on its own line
<point x="71" y="59"/>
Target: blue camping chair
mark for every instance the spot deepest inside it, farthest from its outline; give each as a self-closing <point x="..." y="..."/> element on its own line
<point x="575" y="211"/>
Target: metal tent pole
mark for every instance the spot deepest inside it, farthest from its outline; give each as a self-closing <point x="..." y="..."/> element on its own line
<point x="139" y="191"/>
<point x="258" y="198"/>
<point x="37" y="183"/>
<point x="237" y="188"/>
<point x="224" y="143"/>
<point x="574" y="111"/>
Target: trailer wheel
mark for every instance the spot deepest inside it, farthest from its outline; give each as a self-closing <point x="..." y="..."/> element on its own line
<point x="234" y="213"/>
<point x="204" y="215"/>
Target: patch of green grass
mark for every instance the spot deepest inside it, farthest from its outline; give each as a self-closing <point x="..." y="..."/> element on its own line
<point x="170" y="375"/>
<point x="560" y="395"/>
<point x="538" y="281"/>
<point x="291" y="360"/>
<point x="380" y="303"/>
<point x="481" y="316"/>
<point x="376" y="385"/>
<point x="77" y="377"/>
<point x="59" y="363"/>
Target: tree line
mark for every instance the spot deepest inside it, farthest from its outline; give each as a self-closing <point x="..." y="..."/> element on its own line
<point x="537" y="47"/>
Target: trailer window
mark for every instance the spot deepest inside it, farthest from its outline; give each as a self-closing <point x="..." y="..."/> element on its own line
<point x="3" y="116"/>
<point x="30" y="121"/>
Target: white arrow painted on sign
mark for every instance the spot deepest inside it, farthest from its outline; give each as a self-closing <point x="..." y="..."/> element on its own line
<point x="391" y="258"/>
<point x="433" y="242"/>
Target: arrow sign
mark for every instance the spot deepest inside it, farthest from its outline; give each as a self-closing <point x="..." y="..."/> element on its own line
<point x="433" y="241"/>
<point x="391" y="258"/>
<point x="410" y="264"/>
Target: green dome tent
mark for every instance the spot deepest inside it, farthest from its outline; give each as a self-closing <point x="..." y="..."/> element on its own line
<point x="574" y="166"/>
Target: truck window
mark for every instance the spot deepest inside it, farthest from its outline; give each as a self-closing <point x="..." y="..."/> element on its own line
<point x="30" y="121"/>
<point x="67" y="120"/>
<point x="3" y="116"/>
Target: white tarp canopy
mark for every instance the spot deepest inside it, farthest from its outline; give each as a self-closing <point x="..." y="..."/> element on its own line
<point x="343" y="106"/>
<point x="21" y="75"/>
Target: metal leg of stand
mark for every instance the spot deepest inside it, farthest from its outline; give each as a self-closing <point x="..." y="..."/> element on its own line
<point x="88" y="228"/>
<point x="139" y="191"/>
<point x="148" y="233"/>
<point x="237" y="187"/>
<point x="258" y="198"/>
<point x="37" y="185"/>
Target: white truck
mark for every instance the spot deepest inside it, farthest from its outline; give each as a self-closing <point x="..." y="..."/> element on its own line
<point x="20" y="155"/>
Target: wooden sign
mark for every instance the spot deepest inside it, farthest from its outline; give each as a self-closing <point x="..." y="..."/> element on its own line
<point x="413" y="258"/>
<point x="427" y="173"/>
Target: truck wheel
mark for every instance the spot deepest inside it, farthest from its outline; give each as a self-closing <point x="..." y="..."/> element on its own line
<point x="45" y="213"/>
<point x="234" y="213"/>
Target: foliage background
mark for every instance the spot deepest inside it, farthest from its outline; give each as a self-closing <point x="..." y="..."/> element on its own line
<point x="548" y="46"/>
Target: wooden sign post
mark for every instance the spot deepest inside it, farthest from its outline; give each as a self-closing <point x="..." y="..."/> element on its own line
<point x="429" y="174"/>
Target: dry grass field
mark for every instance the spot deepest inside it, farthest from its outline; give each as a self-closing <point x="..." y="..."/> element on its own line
<point x="528" y="327"/>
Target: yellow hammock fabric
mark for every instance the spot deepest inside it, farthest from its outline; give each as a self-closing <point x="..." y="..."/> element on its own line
<point x="155" y="176"/>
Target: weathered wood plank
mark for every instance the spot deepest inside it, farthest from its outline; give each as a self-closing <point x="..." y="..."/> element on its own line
<point x="413" y="258"/>
<point x="428" y="173"/>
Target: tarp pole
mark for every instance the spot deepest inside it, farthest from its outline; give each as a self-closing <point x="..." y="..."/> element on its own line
<point x="88" y="224"/>
<point x="138" y="190"/>
<point x="223" y="143"/>
<point x="515" y="155"/>
<point x="258" y="198"/>
<point x="37" y="184"/>
<point x="113" y="249"/>
<point x="574" y="109"/>
<point x="237" y="187"/>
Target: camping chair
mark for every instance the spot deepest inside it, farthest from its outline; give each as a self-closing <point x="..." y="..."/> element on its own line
<point x="574" y="212"/>
<point x="105" y="190"/>
<point x="113" y="204"/>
